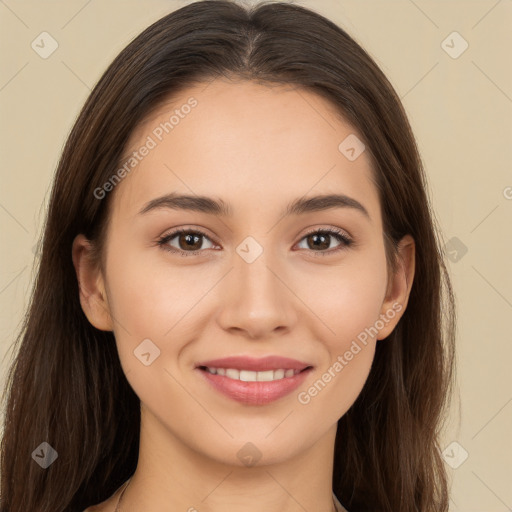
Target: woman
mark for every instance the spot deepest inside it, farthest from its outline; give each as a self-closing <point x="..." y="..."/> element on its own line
<point x="239" y="304"/>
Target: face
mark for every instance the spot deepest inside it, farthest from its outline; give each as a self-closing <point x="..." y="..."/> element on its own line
<point x="254" y="282"/>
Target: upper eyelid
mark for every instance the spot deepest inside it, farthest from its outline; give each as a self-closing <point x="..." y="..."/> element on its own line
<point x="177" y="231"/>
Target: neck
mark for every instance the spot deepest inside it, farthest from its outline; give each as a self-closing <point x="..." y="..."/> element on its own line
<point x="172" y="476"/>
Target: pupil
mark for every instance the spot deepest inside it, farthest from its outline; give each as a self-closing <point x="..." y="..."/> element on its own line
<point x="188" y="238"/>
<point x="316" y="236"/>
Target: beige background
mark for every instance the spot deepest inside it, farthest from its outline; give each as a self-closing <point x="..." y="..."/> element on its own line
<point x="460" y="109"/>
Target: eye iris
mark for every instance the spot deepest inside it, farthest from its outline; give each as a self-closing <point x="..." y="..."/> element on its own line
<point x="187" y="238"/>
<point x="321" y="245"/>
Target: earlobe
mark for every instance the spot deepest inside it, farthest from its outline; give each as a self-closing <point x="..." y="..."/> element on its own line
<point x="399" y="287"/>
<point x="93" y="297"/>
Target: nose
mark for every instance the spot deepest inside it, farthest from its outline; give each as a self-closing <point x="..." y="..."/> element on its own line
<point x="257" y="300"/>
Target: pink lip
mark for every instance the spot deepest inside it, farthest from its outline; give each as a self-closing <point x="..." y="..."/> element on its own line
<point x="255" y="393"/>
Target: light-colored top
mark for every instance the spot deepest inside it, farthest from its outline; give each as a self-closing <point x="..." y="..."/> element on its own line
<point x="338" y="505"/>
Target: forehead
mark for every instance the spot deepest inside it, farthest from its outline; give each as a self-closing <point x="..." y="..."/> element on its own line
<point x="249" y="143"/>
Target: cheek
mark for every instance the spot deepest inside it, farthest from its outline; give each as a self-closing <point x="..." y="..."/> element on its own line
<point x="150" y="300"/>
<point x="147" y="295"/>
<point x="349" y="298"/>
<point x="351" y="314"/>
<point x="349" y="307"/>
<point x="356" y="307"/>
<point x="150" y="305"/>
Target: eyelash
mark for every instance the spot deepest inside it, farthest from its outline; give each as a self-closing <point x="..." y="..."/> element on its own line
<point x="335" y="233"/>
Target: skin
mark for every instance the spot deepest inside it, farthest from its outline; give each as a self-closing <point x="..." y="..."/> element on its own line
<point x="257" y="147"/>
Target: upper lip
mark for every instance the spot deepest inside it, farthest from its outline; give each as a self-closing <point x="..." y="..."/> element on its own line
<point x="255" y="364"/>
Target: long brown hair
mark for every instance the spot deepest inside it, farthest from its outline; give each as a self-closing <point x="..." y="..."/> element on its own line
<point x="66" y="386"/>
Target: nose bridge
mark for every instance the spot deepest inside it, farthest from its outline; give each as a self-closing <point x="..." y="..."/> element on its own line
<point x="256" y="299"/>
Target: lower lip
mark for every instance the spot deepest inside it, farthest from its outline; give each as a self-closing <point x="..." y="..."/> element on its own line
<point x="255" y="393"/>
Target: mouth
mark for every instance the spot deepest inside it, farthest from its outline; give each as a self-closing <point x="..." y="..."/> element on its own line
<point x="253" y="376"/>
<point x="254" y="381"/>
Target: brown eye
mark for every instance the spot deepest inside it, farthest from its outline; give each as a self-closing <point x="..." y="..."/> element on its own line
<point x="188" y="240"/>
<point x="319" y="241"/>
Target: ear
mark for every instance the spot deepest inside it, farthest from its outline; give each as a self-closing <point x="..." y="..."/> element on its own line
<point x="93" y="297"/>
<point x="399" y="287"/>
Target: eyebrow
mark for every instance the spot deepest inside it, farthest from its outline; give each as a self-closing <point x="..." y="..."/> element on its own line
<point x="213" y="206"/>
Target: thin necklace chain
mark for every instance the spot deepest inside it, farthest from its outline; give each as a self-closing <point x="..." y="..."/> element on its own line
<point x="128" y="483"/>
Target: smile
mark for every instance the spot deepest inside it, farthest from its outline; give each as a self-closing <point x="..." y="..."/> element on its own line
<point x="253" y="381"/>
<point x="252" y="376"/>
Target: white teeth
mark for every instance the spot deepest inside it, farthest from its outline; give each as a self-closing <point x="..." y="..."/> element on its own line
<point x="265" y="376"/>
<point x="233" y="374"/>
<point x="278" y="374"/>
<point x="248" y="376"/>
<point x="251" y="376"/>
